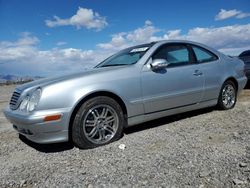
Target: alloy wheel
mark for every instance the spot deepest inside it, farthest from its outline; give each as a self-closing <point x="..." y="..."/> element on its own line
<point x="100" y="124"/>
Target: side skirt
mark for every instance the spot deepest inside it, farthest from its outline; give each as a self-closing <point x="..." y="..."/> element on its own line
<point x="155" y="115"/>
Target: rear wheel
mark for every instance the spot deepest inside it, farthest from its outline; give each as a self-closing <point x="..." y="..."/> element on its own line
<point x="228" y="96"/>
<point x="99" y="121"/>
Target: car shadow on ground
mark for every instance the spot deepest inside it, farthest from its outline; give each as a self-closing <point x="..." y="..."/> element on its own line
<point x="171" y="119"/>
<point x="59" y="147"/>
<point x="47" y="148"/>
<point x="247" y="85"/>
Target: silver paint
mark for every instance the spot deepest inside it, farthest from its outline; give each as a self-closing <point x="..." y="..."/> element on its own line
<point x="146" y="94"/>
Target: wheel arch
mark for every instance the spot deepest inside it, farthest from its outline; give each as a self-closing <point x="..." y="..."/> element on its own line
<point x="234" y="81"/>
<point x="92" y="95"/>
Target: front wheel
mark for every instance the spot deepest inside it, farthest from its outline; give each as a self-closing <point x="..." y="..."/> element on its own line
<point x="99" y="121"/>
<point x="228" y="96"/>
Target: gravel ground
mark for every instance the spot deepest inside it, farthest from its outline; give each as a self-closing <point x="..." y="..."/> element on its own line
<point x="206" y="148"/>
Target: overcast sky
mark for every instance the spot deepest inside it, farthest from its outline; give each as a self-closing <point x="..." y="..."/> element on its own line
<point x="48" y="37"/>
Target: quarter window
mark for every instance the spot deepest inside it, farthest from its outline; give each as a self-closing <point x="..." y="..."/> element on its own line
<point x="175" y="55"/>
<point x="203" y="55"/>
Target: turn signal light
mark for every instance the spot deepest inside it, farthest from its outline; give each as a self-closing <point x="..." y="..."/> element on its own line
<point x="52" y="117"/>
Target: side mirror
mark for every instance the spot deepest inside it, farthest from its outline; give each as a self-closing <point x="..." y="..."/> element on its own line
<point x="159" y="64"/>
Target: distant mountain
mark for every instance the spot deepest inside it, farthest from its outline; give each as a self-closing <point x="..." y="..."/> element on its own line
<point x="13" y="79"/>
<point x="9" y="77"/>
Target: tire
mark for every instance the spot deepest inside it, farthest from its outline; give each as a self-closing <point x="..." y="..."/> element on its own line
<point x="99" y="121"/>
<point x="228" y="96"/>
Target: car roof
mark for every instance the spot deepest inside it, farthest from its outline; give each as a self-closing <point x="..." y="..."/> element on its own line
<point x="163" y="42"/>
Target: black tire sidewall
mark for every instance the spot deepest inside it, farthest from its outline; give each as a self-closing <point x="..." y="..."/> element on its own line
<point x="78" y="136"/>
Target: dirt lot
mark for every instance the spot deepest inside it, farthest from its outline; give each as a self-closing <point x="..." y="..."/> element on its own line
<point x="206" y="148"/>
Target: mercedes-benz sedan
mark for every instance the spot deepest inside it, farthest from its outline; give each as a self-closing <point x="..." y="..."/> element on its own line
<point x="137" y="84"/>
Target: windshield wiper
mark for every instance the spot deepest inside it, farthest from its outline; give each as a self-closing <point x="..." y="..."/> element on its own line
<point x="111" y="65"/>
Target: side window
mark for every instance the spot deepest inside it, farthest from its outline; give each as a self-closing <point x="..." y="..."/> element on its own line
<point x="203" y="55"/>
<point x="176" y="55"/>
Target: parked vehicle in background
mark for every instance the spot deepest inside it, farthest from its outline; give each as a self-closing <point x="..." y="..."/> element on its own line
<point x="138" y="84"/>
<point x="245" y="56"/>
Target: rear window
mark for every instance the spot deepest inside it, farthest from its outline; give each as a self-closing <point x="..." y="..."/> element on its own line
<point x="203" y="55"/>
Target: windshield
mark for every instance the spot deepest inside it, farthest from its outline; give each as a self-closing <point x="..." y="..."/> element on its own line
<point x="128" y="56"/>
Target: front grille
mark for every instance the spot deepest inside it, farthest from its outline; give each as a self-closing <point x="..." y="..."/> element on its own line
<point x="14" y="100"/>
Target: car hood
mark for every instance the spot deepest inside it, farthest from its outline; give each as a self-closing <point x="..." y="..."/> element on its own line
<point x="56" y="79"/>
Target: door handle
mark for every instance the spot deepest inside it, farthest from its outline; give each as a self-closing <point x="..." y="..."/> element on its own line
<point x="197" y="73"/>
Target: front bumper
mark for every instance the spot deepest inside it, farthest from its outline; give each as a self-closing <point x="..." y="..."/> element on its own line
<point x="34" y="128"/>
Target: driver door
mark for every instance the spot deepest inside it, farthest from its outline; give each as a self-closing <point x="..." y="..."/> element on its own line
<point x="180" y="84"/>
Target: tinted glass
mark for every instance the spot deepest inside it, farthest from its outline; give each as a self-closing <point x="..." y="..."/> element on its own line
<point x="125" y="57"/>
<point x="174" y="54"/>
<point x="122" y="59"/>
<point x="203" y="55"/>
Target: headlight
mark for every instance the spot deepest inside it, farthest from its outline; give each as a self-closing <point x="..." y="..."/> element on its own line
<point x="24" y="104"/>
<point x="30" y="102"/>
<point x="34" y="99"/>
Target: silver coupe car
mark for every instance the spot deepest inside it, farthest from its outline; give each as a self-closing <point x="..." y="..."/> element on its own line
<point x="135" y="85"/>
